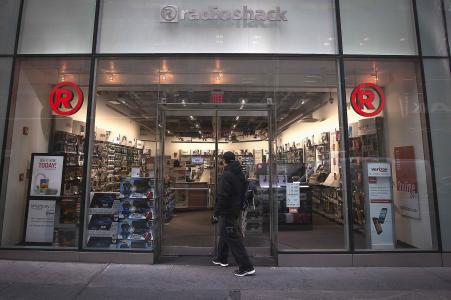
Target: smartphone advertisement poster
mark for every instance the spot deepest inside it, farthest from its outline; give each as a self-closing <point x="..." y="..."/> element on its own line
<point x="46" y="177"/>
<point x="40" y="221"/>
<point x="408" y="200"/>
<point x="379" y="191"/>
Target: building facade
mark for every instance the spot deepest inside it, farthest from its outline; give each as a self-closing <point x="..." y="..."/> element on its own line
<point x="115" y="115"/>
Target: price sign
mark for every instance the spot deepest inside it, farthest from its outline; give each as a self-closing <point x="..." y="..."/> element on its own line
<point x="293" y="195"/>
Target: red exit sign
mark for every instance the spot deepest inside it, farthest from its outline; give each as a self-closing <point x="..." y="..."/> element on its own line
<point x="217" y="97"/>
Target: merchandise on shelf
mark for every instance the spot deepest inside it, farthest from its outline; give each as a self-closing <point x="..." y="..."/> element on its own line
<point x="124" y="219"/>
<point x="68" y="206"/>
<point x="111" y="162"/>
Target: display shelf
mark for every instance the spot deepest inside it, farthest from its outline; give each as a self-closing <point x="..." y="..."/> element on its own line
<point x="124" y="219"/>
<point x="330" y="217"/>
<point x="327" y="202"/>
<point x="67" y="208"/>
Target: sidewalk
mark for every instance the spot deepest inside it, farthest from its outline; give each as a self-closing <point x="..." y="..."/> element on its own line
<point x="50" y="280"/>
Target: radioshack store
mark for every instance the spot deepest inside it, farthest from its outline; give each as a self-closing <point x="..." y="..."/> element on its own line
<point x="116" y="115"/>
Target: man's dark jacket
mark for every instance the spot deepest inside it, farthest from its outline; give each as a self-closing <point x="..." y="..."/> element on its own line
<point x="231" y="190"/>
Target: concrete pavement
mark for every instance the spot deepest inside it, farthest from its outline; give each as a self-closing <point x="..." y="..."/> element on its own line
<point x="52" y="280"/>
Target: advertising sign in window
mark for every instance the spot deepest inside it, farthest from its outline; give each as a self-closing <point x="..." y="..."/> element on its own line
<point x="46" y="176"/>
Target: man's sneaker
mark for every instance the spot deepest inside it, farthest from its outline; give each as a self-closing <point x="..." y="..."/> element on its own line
<point x="218" y="263"/>
<point x="241" y="273"/>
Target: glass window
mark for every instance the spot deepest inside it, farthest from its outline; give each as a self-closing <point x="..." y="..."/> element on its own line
<point x="448" y="19"/>
<point x="438" y="83"/>
<point x="44" y="153"/>
<point x="5" y="76"/>
<point x="57" y="26"/>
<point x="9" y="11"/>
<point x="309" y="193"/>
<point x="216" y="26"/>
<point x="432" y="29"/>
<point x="384" y="27"/>
<point x="390" y="168"/>
<point x="121" y="206"/>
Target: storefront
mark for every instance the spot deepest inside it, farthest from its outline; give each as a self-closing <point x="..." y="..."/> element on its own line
<point x="118" y="113"/>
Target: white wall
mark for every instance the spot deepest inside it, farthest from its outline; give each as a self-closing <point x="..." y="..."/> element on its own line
<point x="328" y="114"/>
<point x="111" y="120"/>
<point x="32" y="111"/>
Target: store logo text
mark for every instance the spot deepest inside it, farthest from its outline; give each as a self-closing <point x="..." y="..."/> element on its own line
<point x="173" y="14"/>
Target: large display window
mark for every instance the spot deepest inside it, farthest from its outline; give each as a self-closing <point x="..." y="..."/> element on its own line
<point x="57" y="27"/>
<point x="121" y="207"/>
<point x="438" y="83"/>
<point x="5" y="77"/>
<point x="309" y="180"/>
<point x="383" y="27"/>
<point x="43" y="171"/>
<point x="393" y="203"/>
<point x="9" y="12"/>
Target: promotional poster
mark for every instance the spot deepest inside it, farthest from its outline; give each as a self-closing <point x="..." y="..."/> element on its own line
<point x="40" y="221"/>
<point x="406" y="182"/>
<point x="380" y="200"/>
<point x="46" y="176"/>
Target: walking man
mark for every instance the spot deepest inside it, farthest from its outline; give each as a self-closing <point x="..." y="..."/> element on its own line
<point x="231" y="194"/>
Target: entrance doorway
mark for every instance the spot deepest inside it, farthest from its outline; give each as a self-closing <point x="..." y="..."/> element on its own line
<point x="195" y="138"/>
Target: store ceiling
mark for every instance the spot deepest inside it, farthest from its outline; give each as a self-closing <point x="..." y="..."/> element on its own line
<point x="142" y="107"/>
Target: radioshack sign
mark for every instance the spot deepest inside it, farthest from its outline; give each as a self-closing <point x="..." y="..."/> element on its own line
<point x="174" y="14"/>
<point x="66" y="98"/>
<point x="368" y="100"/>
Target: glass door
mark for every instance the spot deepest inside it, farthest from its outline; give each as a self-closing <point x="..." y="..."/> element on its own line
<point x="194" y="141"/>
<point x="247" y="134"/>
<point x="189" y="170"/>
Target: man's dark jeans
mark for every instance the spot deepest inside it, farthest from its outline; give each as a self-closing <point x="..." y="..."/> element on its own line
<point x="230" y="236"/>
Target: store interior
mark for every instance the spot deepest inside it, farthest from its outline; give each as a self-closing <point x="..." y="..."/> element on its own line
<point x="161" y="127"/>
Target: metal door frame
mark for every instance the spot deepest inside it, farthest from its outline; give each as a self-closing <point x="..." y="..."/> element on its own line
<point x="216" y="110"/>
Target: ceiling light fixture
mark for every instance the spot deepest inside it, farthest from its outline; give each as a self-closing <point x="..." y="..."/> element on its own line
<point x="331" y="99"/>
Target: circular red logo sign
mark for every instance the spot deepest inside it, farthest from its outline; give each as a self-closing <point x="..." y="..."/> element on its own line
<point x="363" y="99"/>
<point x="62" y="96"/>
